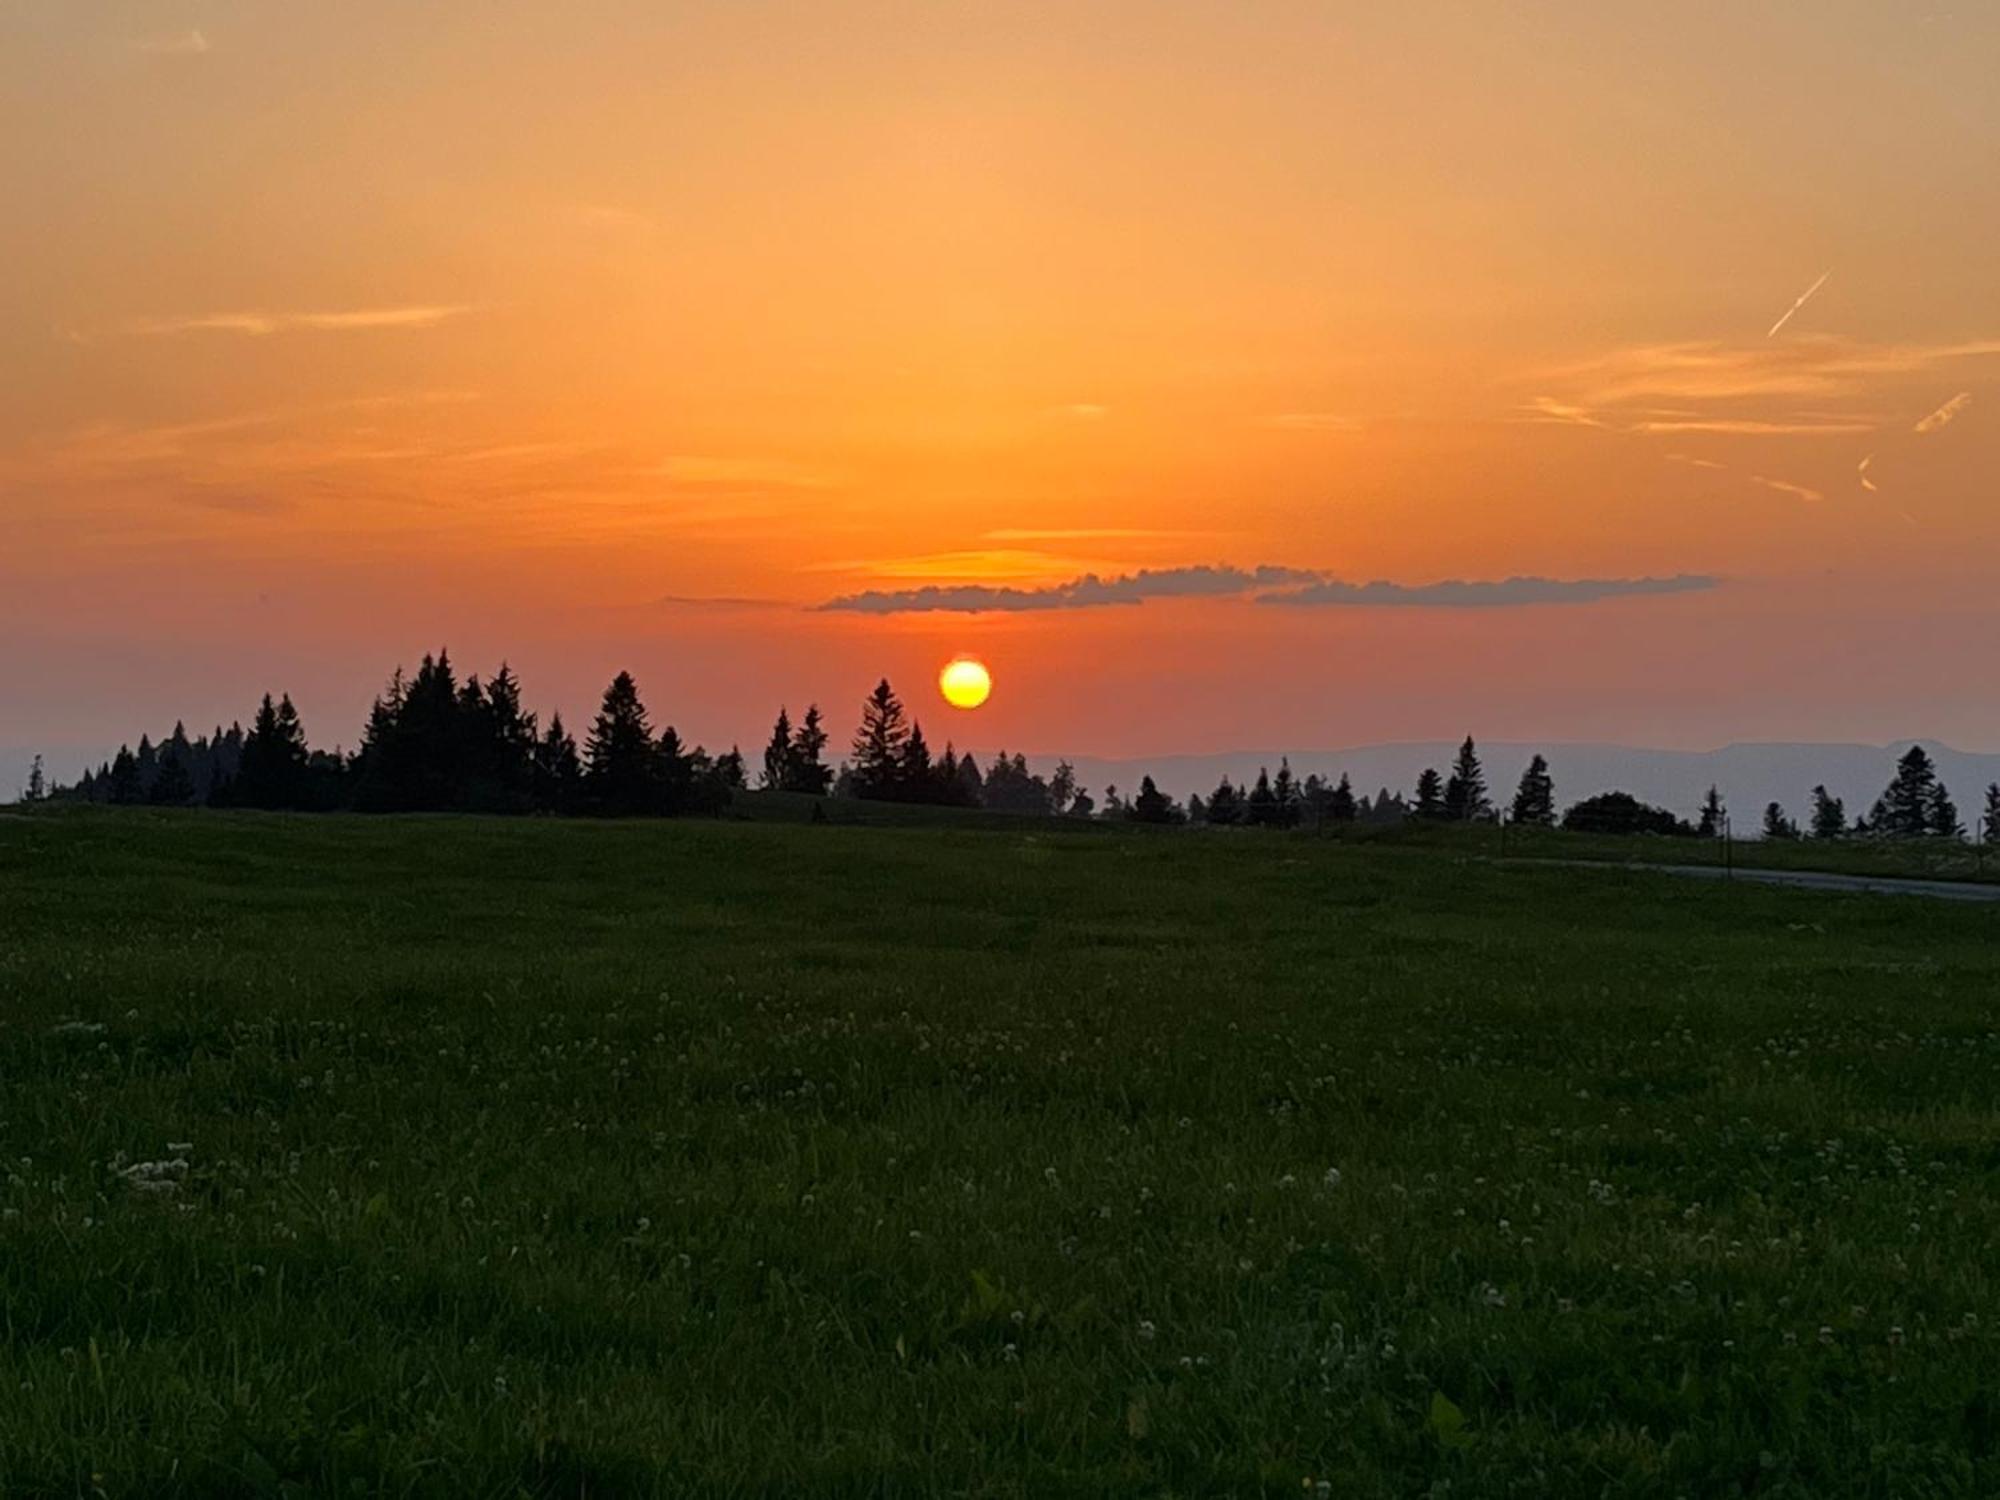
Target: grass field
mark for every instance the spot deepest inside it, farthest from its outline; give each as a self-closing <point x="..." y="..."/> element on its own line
<point x="485" y="1158"/>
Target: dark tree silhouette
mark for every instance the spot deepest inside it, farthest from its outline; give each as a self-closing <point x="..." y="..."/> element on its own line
<point x="1430" y="795"/>
<point x="1829" y="814"/>
<point x="273" y="773"/>
<point x="1621" y="812"/>
<point x="1062" y="788"/>
<point x="1777" y="825"/>
<point x="916" y="779"/>
<point x="1340" y="805"/>
<point x="809" y="772"/>
<point x="1225" y="806"/>
<point x="622" y="766"/>
<point x="1261" y="809"/>
<point x="173" y="785"/>
<point x="1152" y="805"/>
<point x="879" y="744"/>
<point x="1535" y="797"/>
<point x="558" y="771"/>
<point x="37" y="789"/>
<point x="1907" y="808"/>
<point x="124" y="788"/>
<point x="1989" y="824"/>
<point x="1465" y="799"/>
<point x="1714" y="815"/>
<point x="778" y="755"/>
<point x="1285" y="796"/>
<point x="1941" y="816"/>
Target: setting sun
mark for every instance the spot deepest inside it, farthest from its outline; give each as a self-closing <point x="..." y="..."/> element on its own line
<point x="965" y="682"/>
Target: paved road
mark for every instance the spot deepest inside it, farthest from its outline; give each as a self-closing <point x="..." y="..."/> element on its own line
<point x="1811" y="880"/>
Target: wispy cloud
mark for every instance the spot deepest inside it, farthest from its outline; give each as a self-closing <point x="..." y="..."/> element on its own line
<point x="1081" y="411"/>
<point x="1861" y="470"/>
<point x="264" y="324"/>
<point x="1504" y="593"/>
<point x="1945" y="414"/>
<point x="187" y="44"/>
<point x="1087" y="592"/>
<point x="1786" y="487"/>
<point x="1694" y="463"/>
<point x="1752" y="426"/>
<point x="1711" y="372"/>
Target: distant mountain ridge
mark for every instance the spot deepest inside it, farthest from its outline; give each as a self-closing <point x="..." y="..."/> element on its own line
<point x="1749" y="775"/>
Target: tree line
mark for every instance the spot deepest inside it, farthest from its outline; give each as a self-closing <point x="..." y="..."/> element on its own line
<point x="434" y="743"/>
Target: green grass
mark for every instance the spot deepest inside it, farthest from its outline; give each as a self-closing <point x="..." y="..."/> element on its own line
<point x="533" y="1158"/>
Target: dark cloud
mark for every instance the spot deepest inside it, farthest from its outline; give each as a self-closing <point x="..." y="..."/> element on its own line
<point x="1267" y="584"/>
<point x="1087" y="592"/>
<point x="1455" y="593"/>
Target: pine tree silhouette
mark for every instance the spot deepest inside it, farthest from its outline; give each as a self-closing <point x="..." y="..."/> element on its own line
<point x="1535" y="798"/>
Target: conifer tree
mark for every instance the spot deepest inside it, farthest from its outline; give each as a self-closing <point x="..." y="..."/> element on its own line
<point x="1989" y="823"/>
<point x="1905" y="809"/>
<point x="778" y="755"/>
<point x="1713" y="815"/>
<point x="558" y="772"/>
<point x="1777" y="825"/>
<point x="1340" y="805"/>
<point x="1285" y="796"/>
<point x="915" y="775"/>
<point x="1465" y="799"/>
<point x="123" y="783"/>
<point x="621" y="763"/>
<point x="1260" y="809"/>
<point x="808" y="769"/>
<point x="1535" y="798"/>
<point x="1941" y="815"/>
<point x="173" y="784"/>
<point x="273" y="773"/>
<point x="37" y="789"/>
<point x="879" y="744"/>
<point x="1829" y="814"/>
<point x="1430" y="795"/>
<point x="1225" y="807"/>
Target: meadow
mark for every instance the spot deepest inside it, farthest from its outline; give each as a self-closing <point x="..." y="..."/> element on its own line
<point x="451" y="1156"/>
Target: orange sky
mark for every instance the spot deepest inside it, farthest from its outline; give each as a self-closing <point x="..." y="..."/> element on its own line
<point x="625" y="333"/>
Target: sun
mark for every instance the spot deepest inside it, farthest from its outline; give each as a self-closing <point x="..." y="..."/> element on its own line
<point x="965" y="682"/>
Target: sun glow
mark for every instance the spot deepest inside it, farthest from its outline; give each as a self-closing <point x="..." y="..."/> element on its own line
<point x="965" y="682"/>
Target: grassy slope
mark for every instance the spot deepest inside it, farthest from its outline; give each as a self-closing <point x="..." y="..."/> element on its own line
<point x="535" y="1158"/>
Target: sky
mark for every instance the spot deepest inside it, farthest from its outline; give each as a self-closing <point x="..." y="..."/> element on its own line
<point x="1223" y="374"/>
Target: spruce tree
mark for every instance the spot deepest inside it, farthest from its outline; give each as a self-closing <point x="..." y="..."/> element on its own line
<point x="173" y="784"/>
<point x="621" y="765"/>
<point x="1535" y="798"/>
<point x="778" y="755"/>
<point x="1285" y="796"/>
<point x="273" y="773"/>
<point x="1225" y="807"/>
<point x="915" y="775"/>
<point x="1905" y="809"/>
<point x="1713" y="815"/>
<point x="124" y="788"/>
<point x="1465" y="799"/>
<point x="1430" y="795"/>
<point x="37" y="789"/>
<point x="1829" y="815"/>
<point x="1340" y="806"/>
<point x="1777" y="825"/>
<point x="1261" y="808"/>
<point x="808" y="769"/>
<point x="879" y="743"/>
<point x="1941" y="815"/>
<point x="1989" y="826"/>
<point x="558" y="772"/>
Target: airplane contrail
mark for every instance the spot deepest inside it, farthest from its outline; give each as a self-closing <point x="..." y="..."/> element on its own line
<point x="1804" y="298"/>
<point x="1943" y="415"/>
<point x="1867" y="483"/>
